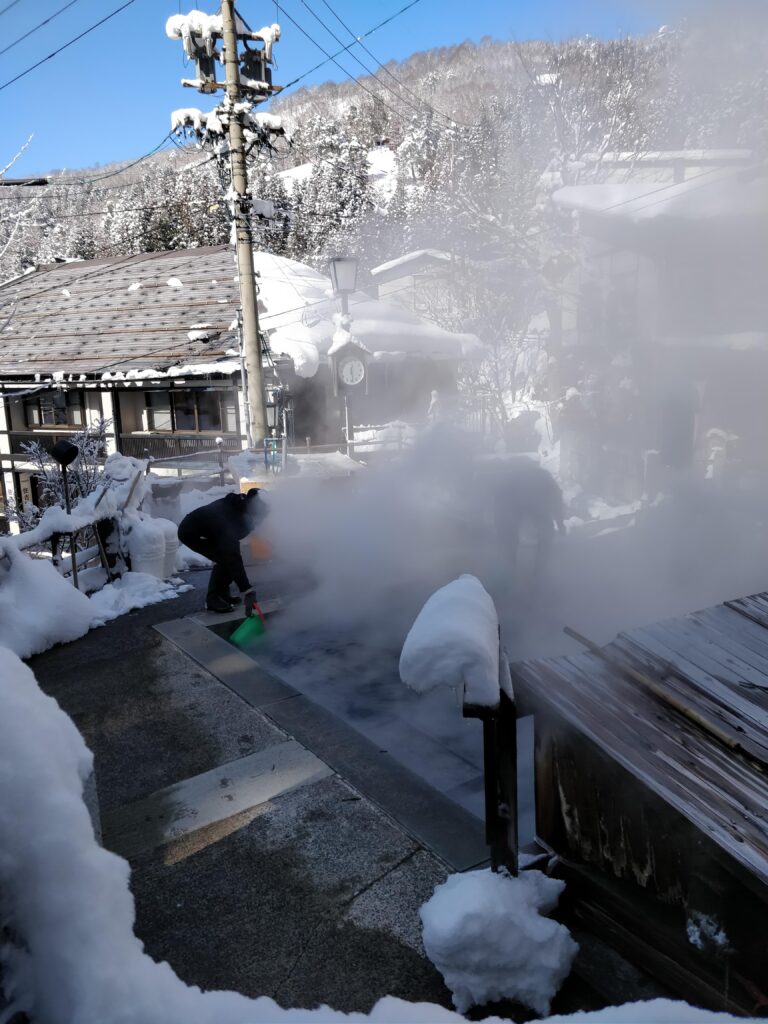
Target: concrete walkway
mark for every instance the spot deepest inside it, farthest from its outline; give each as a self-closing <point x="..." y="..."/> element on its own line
<point x="273" y="850"/>
<point x="255" y="866"/>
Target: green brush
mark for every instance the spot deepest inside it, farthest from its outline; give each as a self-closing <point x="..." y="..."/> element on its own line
<point x="250" y="629"/>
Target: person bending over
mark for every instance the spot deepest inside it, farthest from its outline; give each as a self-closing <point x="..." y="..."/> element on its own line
<point x="215" y="531"/>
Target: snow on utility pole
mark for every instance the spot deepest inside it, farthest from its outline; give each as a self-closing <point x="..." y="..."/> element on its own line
<point x="248" y="81"/>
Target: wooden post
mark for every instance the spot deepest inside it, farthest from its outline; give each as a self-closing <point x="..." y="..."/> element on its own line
<point x="500" y="770"/>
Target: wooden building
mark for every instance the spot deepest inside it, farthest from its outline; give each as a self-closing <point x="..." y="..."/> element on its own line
<point x="150" y="343"/>
<point x="651" y="774"/>
<point x="662" y="327"/>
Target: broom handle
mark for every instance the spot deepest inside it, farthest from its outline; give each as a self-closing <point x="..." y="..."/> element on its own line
<point x="260" y="614"/>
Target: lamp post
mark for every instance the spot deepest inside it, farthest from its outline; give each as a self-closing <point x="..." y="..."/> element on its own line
<point x="65" y="453"/>
<point x="344" y="279"/>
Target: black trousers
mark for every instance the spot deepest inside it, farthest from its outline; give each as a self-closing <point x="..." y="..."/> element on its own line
<point x="227" y="562"/>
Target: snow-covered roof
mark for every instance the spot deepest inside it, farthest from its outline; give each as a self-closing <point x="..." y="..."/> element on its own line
<point x="297" y="307"/>
<point x="710" y="194"/>
<point x="290" y="176"/>
<point x="141" y="316"/>
<point x="120" y="314"/>
<point x="404" y="262"/>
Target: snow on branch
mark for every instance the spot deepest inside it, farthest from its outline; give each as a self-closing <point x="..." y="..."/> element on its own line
<point x="13" y="160"/>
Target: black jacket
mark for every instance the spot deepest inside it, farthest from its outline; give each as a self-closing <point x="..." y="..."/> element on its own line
<point x="225" y="521"/>
<point x="216" y="530"/>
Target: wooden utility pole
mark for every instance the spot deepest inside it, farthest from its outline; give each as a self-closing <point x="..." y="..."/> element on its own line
<point x="244" y="240"/>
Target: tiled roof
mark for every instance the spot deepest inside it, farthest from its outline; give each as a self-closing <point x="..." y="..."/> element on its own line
<point x="88" y="316"/>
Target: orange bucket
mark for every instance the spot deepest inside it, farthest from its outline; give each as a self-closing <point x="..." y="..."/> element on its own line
<point x="259" y="548"/>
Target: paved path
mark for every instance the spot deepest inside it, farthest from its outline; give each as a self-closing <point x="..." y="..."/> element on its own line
<point x="298" y="887"/>
<point x="274" y="850"/>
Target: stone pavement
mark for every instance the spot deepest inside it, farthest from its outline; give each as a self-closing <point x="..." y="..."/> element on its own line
<point x="308" y="892"/>
<point x="272" y="851"/>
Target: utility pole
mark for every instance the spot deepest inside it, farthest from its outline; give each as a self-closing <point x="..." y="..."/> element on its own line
<point x="244" y="239"/>
<point x="248" y="80"/>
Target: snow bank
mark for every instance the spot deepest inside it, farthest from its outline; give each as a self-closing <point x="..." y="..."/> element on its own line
<point x="38" y="607"/>
<point x="195" y="498"/>
<point x="68" y="903"/>
<point x="455" y="642"/>
<point x="133" y="590"/>
<point x="486" y="935"/>
<point x="122" y="486"/>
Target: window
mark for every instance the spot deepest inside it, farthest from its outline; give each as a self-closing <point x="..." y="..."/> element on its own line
<point x="159" y="410"/>
<point x="55" y="409"/>
<point x="192" y="411"/>
<point x="184" y="412"/>
<point x="208" y="410"/>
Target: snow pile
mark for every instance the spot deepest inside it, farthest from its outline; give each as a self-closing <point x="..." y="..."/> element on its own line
<point x="68" y="904"/>
<point x="195" y="498"/>
<point x="186" y="559"/>
<point x="133" y="590"/>
<point x="38" y="607"/>
<point x="486" y="935"/>
<point x="203" y="332"/>
<point x="455" y="642"/>
<point x="122" y="486"/>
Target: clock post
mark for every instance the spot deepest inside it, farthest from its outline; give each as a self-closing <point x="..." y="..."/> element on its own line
<point x="348" y="357"/>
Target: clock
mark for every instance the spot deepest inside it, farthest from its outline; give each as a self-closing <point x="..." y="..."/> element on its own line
<point x="351" y="370"/>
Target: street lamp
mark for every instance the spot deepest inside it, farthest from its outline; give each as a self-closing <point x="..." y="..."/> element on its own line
<point x="348" y="364"/>
<point x="344" y="278"/>
<point x="65" y="453"/>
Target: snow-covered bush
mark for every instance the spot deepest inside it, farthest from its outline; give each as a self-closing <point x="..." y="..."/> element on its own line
<point x="83" y="474"/>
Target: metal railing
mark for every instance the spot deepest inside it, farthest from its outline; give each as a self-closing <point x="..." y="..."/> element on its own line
<point x="142" y="446"/>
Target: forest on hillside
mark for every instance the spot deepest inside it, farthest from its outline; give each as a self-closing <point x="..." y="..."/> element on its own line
<point x="473" y="127"/>
<point x="481" y="136"/>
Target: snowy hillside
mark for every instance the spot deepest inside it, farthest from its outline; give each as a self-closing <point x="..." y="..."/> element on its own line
<point x="447" y="137"/>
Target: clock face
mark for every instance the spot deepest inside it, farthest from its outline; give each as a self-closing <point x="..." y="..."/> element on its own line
<point x="351" y="371"/>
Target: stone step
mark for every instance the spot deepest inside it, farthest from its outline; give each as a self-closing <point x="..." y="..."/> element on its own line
<point x="211" y="797"/>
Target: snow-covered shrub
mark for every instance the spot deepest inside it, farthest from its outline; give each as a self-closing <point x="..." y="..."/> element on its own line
<point x="83" y="474"/>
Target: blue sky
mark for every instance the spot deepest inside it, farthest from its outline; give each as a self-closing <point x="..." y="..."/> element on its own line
<point x="108" y="97"/>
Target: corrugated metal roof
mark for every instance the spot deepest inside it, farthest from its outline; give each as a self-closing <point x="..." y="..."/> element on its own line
<point x="711" y="664"/>
<point x="88" y="317"/>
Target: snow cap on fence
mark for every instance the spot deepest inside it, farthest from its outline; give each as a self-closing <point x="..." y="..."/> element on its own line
<point x="455" y="642"/>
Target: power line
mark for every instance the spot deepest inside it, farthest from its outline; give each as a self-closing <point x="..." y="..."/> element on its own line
<point x="344" y="49"/>
<point x="9" y="6"/>
<point x="354" y="57"/>
<point x="386" y="70"/>
<point x="67" y="183"/>
<point x="331" y="57"/>
<point x="42" y="23"/>
<point x="64" y="46"/>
